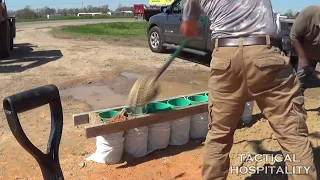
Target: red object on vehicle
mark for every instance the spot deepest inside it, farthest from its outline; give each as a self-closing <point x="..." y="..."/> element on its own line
<point x="138" y="8"/>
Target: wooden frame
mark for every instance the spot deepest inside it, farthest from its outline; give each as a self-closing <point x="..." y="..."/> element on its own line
<point x="92" y="131"/>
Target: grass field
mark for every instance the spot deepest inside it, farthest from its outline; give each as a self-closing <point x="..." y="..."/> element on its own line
<point x="73" y="18"/>
<point x="116" y="30"/>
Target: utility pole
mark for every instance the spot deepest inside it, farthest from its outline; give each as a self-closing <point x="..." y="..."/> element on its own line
<point x="82" y="4"/>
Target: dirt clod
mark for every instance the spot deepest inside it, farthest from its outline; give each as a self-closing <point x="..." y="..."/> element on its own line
<point x="82" y="164"/>
<point x="179" y="175"/>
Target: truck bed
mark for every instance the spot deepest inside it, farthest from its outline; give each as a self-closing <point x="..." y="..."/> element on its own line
<point x="150" y="12"/>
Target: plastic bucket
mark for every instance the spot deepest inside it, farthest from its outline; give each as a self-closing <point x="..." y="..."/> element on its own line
<point x="207" y="94"/>
<point x="197" y="99"/>
<point x="178" y="103"/>
<point x="105" y="116"/>
<point x="157" y="107"/>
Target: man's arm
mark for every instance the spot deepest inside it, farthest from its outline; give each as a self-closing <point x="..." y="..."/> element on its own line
<point x="298" y="31"/>
<point x="303" y="61"/>
<point x="191" y="10"/>
<point x="191" y="14"/>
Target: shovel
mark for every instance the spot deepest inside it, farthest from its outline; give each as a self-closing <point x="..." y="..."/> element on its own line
<point x="147" y="87"/>
<point x="28" y="100"/>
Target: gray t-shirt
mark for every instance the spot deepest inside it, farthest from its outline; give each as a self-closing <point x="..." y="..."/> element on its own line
<point x="233" y="18"/>
<point x="306" y="29"/>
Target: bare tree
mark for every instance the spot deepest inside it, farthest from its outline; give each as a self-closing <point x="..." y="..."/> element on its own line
<point x="290" y="13"/>
<point x="124" y="8"/>
<point x="26" y="12"/>
<point x="63" y="12"/>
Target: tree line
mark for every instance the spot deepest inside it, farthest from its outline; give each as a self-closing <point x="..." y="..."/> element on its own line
<point x="30" y="13"/>
<point x="291" y="14"/>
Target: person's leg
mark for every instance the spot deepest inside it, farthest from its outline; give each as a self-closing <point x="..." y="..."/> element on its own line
<point x="304" y="75"/>
<point x="227" y="96"/>
<point x="275" y="88"/>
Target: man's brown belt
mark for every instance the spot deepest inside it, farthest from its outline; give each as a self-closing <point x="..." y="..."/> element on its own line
<point x="248" y="41"/>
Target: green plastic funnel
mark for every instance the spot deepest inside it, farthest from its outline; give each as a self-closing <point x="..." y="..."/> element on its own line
<point x="136" y="111"/>
<point x="197" y="99"/>
<point x="158" y="107"/>
<point x="202" y="94"/>
<point x="178" y="103"/>
<point x="105" y="116"/>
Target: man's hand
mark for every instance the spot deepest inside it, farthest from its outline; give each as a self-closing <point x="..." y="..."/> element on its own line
<point x="189" y="28"/>
<point x="305" y="72"/>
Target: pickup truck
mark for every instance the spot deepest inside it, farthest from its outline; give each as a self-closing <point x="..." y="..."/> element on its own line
<point x="164" y="32"/>
<point x="7" y="31"/>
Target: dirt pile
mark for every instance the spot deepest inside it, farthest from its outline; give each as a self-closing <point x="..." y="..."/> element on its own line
<point x="122" y="116"/>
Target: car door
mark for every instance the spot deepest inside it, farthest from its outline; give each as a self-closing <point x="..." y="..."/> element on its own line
<point x="171" y="27"/>
<point x="199" y="42"/>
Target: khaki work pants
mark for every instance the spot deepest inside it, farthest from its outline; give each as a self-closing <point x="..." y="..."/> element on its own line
<point x="263" y="74"/>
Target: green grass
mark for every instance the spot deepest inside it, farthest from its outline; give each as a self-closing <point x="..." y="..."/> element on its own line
<point x="115" y="30"/>
<point x="73" y="18"/>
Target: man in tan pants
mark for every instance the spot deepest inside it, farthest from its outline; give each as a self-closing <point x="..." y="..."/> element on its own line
<point x="247" y="65"/>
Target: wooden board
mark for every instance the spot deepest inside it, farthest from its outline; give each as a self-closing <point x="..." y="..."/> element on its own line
<point x="83" y="118"/>
<point x="145" y="120"/>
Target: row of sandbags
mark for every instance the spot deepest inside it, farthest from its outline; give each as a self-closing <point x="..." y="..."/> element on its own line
<point x="139" y="142"/>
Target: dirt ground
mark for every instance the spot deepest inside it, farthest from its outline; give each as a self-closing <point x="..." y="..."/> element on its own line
<point x="93" y="75"/>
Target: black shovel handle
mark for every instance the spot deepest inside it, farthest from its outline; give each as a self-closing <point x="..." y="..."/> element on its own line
<point x="28" y="100"/>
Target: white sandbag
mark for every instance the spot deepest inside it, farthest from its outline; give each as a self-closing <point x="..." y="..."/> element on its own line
<point x="109" y="149"/>
<point x="199" y="126"/>
<point x="158" y="136"/>
<point x="180" y="130"/>
<point x="136" y="142"/>
<point x="247" y="112"/>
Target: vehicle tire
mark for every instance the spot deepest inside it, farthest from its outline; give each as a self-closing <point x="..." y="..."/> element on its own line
<point x="5" y="39"/>
<point x="155" y="40"/>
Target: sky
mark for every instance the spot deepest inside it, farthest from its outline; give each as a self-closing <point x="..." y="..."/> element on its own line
<point x="279" y="5"/>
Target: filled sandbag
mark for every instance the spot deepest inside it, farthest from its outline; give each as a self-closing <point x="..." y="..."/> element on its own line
<point x="180" y="130"/>
<point x="158" y="136"/>
<point x="136" y="142"/>
<point x="199" y="126"/>
<point x="109" y="149"/>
